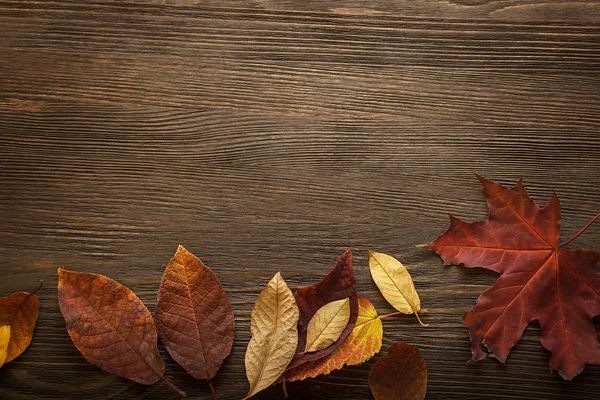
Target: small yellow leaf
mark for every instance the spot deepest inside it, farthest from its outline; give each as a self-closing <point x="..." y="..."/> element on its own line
<point x="4" y="340"/>
<point x="328" y="323"/>
<point x="274" y="335"/>
<point x="363" y="342"/>
<point x="394" y="282"/>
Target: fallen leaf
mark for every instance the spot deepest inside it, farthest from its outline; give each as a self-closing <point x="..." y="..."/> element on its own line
<point x="400" y="375"/>
<point x="194" y="318"/>
<point x="360" y="345"/>
<point x="327" y="325"/>
<point x="4" y="340"/>
<point x="539" y="280"/>
<point x="20" y="312"/>
<point x="338" y="284"/>
<point x="274" y="335"/>
<point x="110" y="326"/>
<point x="395" y="283"/>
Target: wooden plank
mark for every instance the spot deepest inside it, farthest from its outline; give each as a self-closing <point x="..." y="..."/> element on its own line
<point x="270" y="137"/>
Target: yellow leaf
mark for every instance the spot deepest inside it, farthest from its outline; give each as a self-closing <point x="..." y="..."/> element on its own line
<point x="394" y="282"/>
<point x="363" y="342"/>
<point x="274" y="335"/>
<point x="328" y="323"/>
<point x="4" y="340"/>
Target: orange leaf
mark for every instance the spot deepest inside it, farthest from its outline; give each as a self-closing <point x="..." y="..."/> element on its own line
<point x="360" y="345"/>
<point x="110" y="326"/>
<point x="400" y="375"/>
<point x="19" y="311"/>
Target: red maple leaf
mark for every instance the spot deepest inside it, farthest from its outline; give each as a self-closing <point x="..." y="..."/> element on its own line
<point x="539" y="280"/>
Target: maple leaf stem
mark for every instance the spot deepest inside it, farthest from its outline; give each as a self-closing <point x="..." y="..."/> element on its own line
<point x="401" y="313"/>
<point x="175" y="388"/>
<point x="581" y="231"/>
<point x="212" y="389"/>
<point x="285" y="393"/>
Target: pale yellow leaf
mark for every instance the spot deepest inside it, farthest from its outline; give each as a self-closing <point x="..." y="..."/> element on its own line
<point x="394" y="282"/>
<point x="4" y="340"/>
<point x="274" y="335"/>
<point x="328" y="323"/>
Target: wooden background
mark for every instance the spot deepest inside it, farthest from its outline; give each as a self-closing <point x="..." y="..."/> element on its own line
<point x="272" y="135"/>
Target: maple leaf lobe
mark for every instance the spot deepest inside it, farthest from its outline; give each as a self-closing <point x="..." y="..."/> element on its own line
<point x="539" y="280"/>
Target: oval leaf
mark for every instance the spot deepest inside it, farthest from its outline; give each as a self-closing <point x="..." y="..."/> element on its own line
<point x="400" y="375"/>
<point x="110" y="326"/>
<point x="20" y="312"/>
<point x="4" y="340"/>
<point x="394" y="282"/>
<point x="274" y="335"/>
<point x="362" y="343"/>
<point x="194" y="317"/>
<point x="327" y="324"/>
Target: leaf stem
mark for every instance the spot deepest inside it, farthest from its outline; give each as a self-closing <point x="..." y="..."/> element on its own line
<point x="285" y="393"/>
<point x="175" y="388"/>
<point x="401" y="313"/>
<point x="39" y="287"/>
<point x="581" y="231"/>
<point x="212" y="389"/>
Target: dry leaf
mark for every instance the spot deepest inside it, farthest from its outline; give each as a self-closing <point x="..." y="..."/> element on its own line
<point x="110" y="326"/>
<point x="395" y="283"/>
<point x="193" y="316"/>
<point x="20" y="312"/>
<point x="274" y="335"/>
<point x="540" y="280"/>
<point x="327" y="324"/>
<point x="362" y="343"/>
<point x="4" y="340"/>
<point x="400" y="375"/>
<point x="337" y="285"/>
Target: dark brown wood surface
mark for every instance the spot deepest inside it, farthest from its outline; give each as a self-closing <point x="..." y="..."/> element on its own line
<point x="270" y="136"/>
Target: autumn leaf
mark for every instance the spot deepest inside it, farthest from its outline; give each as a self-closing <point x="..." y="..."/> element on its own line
<point x="20" y="313"/>
<point x="194" y="317"/>
<point x="110" y="326"/>
<point x="338" y="284"/>
<point x="4" y="340"/>
<point x="400" y="375"/>
<point x="274" y="335"/>
<point x="360" y="345"/>
<point x="328" y="323"/>
<point x="395" y="283"/>
<point x="539" y="279"/>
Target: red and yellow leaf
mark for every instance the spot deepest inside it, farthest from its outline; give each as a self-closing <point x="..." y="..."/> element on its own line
<point x="20" y="312"/>
<point x="337" y="285"/>
<point x="539" y="279"/>
<point x="361" y="344"/>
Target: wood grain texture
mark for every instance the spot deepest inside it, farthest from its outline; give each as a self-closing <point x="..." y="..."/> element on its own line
<point x="272" y="135"/>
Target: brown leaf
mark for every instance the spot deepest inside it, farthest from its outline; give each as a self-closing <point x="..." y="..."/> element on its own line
<point x="400" y="375"/>
<point x="110" y="326"/>
<point x="274" y="335"/>
<point x="337" y="285"/>
<point x="20" y="312"/>
<point x="194" y="317"/>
